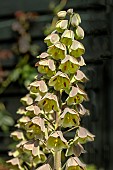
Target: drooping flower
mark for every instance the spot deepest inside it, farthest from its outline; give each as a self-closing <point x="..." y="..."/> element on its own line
<point x="76" y="96"/>
<point x="69" y="65"/>
<point x="79" y="33"/>
<point x="36" y="126"/>
<point x="74" y="163"/>
<point x="67" y="37"/>
<point x="38" y="86"/>
<point x="61" y="14"/>
<point x="69" y="118"/>
<point x="60" y="81"/>
<point x="56" y="141"/>
<point x="79" y="77"/>
<point x="61" y="25"/>
<point x="57" y="51"/>
<point x="83" y="136"/>
<point x="49" y="102"/>
<point x="75" y="20"/>
<point x="76" y="49"/>
<point x="46" y="66"/>
<point x="51" y="39"/>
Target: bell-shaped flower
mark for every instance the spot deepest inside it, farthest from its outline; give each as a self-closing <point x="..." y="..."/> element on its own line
<point x="57" y="51"/>
<point x="43" y="55"/>
<point x="32" y="147"/>
<point x="27" y="100"/>
<point x="21" y="111"/>
<point x="33" y="110"/>
<point x="79" y="33"/>
<point x="75" y="149"/>
<point x="17" y="135"/>
<point x="79" y="77"/>
<point x="75" y="20"/>
<point x="44" y="167"/>
<point x="83" y="136"/>
<point x="82" y="110"/>
<point x="69" y="65"/>
<point x="60" y="81"/>
<point x="40" y="158"/>
<point x="76" y="49"/>
<point x="69" y="118"/>
<point x="67" y="37"/>
<point x="61" y="14"/>
<point x="36" y="126"/>
<point x="76" y="96"/>
<point x="46" y="67"/>
<point x="74" y="163"/>
<point x="56" y="141"/>
<point x="38" y="86"/>
<point x="81" y="61"/>
<point x="23" y="120"/>
<point x="51" y="39"/>
<point x="70" y="11"/>
<point x="49" y="102"/>
<point x="61" y="25"/>
<point x="15" y="163"/>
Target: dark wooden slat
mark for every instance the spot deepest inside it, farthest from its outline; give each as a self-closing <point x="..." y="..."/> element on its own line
<point x="91" y="22"/>
<point x="97" y="48"/>
<point x="9" y="7"/>
<point x="85" y="3"/>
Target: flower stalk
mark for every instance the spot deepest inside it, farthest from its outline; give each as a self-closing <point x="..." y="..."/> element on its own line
<point x="53" y="106"/>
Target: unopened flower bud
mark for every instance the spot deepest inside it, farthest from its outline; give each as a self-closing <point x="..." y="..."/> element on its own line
<point x="79" y="33"/>
<point x="76" y="20"/>
<point x="61" y="14"/>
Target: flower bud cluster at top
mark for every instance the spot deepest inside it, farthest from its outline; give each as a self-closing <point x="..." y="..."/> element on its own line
<point x="45" y="113"/>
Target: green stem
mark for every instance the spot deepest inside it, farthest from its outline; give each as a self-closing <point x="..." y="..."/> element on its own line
<point x="57" y="160"/>
<point x="57" y="155"/>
